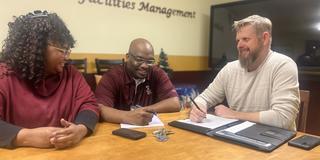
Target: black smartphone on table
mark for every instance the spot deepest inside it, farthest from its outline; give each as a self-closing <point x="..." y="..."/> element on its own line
<point x="306" y="142"/>
<point x="129" y="133"/>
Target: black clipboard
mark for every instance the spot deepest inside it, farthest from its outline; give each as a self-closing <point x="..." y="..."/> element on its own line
<point x="258" y="136"/>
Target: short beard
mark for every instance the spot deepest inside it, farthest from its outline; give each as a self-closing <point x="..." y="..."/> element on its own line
<point x="245" y="62"/>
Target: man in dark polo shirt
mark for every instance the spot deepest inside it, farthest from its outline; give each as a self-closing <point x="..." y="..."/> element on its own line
<point x="130" y="93"/>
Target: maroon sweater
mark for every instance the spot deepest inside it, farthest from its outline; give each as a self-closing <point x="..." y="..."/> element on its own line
<point x="66" y="95"/>
<point x="117" y="88"/>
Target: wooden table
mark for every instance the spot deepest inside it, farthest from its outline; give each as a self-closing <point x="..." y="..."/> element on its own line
<point x="182" y="145"/>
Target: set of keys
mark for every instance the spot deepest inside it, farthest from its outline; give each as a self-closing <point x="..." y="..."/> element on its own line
<point x="162" y="134"/>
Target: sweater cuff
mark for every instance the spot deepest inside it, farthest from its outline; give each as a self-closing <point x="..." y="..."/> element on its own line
<point x="87" y="118"/>
<point x="8" y="134"/>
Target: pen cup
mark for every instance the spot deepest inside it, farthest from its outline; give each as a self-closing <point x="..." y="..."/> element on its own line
<point x="185" y="102"/>
<point x="185" y="92"/>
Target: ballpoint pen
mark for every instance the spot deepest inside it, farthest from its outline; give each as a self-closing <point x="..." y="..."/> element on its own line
<point x="197" y="105"/>
<point x="153" y="112"/>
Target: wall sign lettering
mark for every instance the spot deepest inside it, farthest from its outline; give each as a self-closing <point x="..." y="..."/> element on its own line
<point x="141" y="6"/>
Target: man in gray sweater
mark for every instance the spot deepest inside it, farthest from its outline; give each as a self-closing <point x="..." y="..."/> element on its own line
<point x="261" y="86"/>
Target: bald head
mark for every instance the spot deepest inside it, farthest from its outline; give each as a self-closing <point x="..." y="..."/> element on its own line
<point x="140" y="45"/>
<point x="140" y="58"/>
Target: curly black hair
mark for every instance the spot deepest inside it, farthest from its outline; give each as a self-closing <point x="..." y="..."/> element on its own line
<point x="28" y="37"/>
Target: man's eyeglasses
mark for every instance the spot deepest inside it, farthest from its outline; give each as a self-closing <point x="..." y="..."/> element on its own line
<point x="140" y="60"/>
<point x="66" y="52"/>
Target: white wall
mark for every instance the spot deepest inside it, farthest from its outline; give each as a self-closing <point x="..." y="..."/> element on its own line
<point x="104" y="29"/>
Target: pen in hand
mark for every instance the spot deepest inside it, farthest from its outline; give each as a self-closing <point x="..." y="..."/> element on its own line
<point x="149" y="111"/>
<point x="197" y="106"/>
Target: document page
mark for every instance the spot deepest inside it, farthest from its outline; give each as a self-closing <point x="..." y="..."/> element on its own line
<point x="156" y="122"/>
<point x="240" y="127"/>
<point x="211" y="121"/>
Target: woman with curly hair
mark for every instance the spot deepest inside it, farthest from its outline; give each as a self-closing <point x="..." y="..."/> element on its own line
<point x="43" y="102"/>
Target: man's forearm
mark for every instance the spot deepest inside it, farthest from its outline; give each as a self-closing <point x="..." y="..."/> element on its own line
<point x="248" y="116"/>
<point x="167" y="105"/>
<point x="112" y="115"/>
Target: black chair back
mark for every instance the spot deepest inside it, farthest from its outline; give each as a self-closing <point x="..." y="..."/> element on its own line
<point x="103" y="65"/>
<point x="80" y="64"/>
